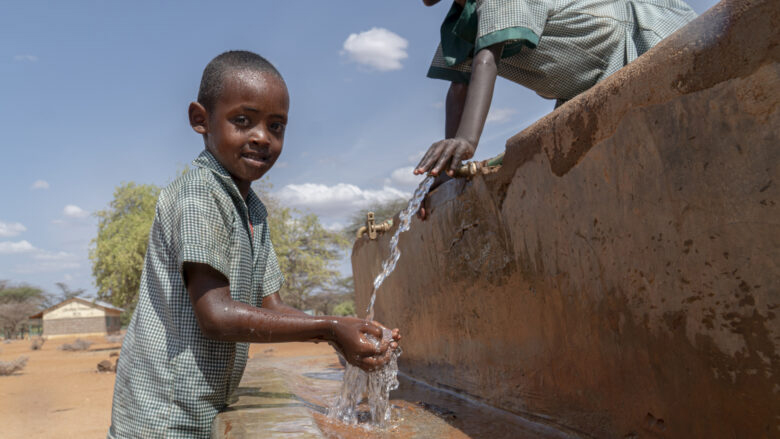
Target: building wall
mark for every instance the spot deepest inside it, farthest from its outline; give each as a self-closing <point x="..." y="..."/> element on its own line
<point x="74" y="310"/>
<point x="80" y="318"/>
<point x="76" y="325"/>
<point x="618" y="275"/>
<point x="113" y="323"/>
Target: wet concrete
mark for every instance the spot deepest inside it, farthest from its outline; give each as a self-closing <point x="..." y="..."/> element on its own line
<point x="619" y="274"/>
<point x="288" y="398"/>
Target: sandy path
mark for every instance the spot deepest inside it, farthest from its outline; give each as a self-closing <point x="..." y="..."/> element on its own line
<point x="61" y="394"/>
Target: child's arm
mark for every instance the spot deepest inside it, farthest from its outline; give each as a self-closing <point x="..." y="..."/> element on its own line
<point x="222" y="318"/>
<point x="466" y="114"/>
<point x="274" y="302"/>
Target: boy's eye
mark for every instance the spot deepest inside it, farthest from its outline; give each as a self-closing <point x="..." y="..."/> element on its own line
<point x="278" y="127"/>
<point x="241" y="120"/>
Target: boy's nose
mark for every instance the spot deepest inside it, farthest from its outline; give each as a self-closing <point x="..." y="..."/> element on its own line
<point x="259" y="136"/>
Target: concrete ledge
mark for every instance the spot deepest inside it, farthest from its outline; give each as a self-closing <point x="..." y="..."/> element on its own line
<point x="288" y="396"/>
<point x="618" y="275"/>
<point x="266" y="407"/>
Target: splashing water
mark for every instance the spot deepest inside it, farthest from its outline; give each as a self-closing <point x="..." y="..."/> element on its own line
<point x="405" y="220"/>
<point x="377" y="384"/>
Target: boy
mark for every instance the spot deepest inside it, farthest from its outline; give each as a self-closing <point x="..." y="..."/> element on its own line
<point x="210" y="264"/>
<point x="558" y="48"/>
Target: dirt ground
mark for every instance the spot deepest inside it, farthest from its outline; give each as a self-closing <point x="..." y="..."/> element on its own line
<point x="61" y="393"/>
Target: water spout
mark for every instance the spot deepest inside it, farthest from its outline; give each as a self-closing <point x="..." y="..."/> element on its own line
<point x="377" y="384"/>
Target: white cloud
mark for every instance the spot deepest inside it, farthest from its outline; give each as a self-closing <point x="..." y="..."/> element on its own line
<point x="73" y="211"/>
<point x="377" y="48"/>
<point x="11" y="229"/>
<point x="44" y="260"/>
<point x="28" y="58"/>
<point x="40" y="184"/>
<point x="500" y="115"/>
<point x="439" y="104"/>
<point x="47" y="266"/>
<point x="339" y="200"/>
<point x="9" y="247"/>
<point x="405" y="178"/>
<point x="43" y="255"/>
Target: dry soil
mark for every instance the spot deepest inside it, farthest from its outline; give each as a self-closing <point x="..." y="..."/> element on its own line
<point x="61" y="393"/>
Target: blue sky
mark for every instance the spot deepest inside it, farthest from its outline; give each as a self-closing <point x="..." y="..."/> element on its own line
<point x="94" y="94"/>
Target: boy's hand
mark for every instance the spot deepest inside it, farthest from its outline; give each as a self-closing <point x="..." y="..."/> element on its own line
<point x="396" y="334"/>
<point x="350" y="339"/>
<point x="445" y="155"/>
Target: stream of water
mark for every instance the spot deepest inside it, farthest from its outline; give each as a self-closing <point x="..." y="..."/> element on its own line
<point x="376" y="385"/>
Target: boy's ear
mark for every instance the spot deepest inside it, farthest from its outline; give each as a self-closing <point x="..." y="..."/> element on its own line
<point x="199" y="118"/>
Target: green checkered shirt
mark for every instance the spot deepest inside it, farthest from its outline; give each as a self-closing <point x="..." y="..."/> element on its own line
<point x="172" y="380"/>
<point x="558" y="48"/>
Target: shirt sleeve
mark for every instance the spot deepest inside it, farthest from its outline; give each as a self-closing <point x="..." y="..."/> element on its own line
<point x="273" y="278"/>
<point x="516" y="23"/>
<point x="482" y="23"/>
<point x="204" y="229"/>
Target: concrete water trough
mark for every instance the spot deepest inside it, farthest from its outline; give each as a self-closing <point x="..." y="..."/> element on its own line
<point x="619" y="274"/>
<point x="617" y="277"/>
<point x="288" y="398"/>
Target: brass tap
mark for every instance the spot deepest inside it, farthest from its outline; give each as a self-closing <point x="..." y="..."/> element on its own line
<point x="468" y="170"/>
<point x="372" y="229"/>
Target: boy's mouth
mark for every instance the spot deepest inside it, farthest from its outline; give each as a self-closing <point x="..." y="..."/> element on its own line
<point x="255" y="158"/>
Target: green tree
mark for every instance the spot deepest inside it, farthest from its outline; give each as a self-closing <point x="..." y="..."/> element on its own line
<point x="20" y="293"/>
<point x="345" y="308"/>
<point x="118" y="250"/>
<point x="307" y="254"/>
<point x="337" y="300"/>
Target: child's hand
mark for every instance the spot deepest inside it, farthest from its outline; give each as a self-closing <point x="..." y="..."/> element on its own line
<point x="396" y="335"/>
<point x="445" y="155"/>
<point x="350" y="339"/>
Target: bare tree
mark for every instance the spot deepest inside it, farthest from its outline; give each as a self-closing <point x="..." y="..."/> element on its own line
<point x="67" y="293"/>
<point x="17" y="303"/>
<point x="13" y="316"/>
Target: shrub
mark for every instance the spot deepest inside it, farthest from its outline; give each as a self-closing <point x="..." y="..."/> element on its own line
<point x="9" y="367"/>
<point x="79" y="345"/>
<point x="116" y="338"/>
<point x="37" y="343"/>
<point x="106" y="366"/>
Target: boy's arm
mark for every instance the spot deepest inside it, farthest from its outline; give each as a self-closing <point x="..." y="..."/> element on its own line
<point x="274" y="302"/>
<point x="222" y="318"/>
<point x="467" y="112"/>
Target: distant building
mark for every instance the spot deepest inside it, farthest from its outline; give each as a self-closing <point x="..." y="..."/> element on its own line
<point x="79" y="316"/>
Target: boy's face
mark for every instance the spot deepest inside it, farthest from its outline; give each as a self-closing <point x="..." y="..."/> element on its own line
<point x="245" y="129"/>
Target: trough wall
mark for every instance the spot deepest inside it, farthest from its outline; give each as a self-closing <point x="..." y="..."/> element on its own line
<point x="620" y="273"/>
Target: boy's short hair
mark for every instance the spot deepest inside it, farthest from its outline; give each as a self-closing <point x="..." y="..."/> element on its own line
<point x="213" y="74"/>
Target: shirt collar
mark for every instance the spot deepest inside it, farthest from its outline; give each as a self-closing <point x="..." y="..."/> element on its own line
<point x="207" y="160"/>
